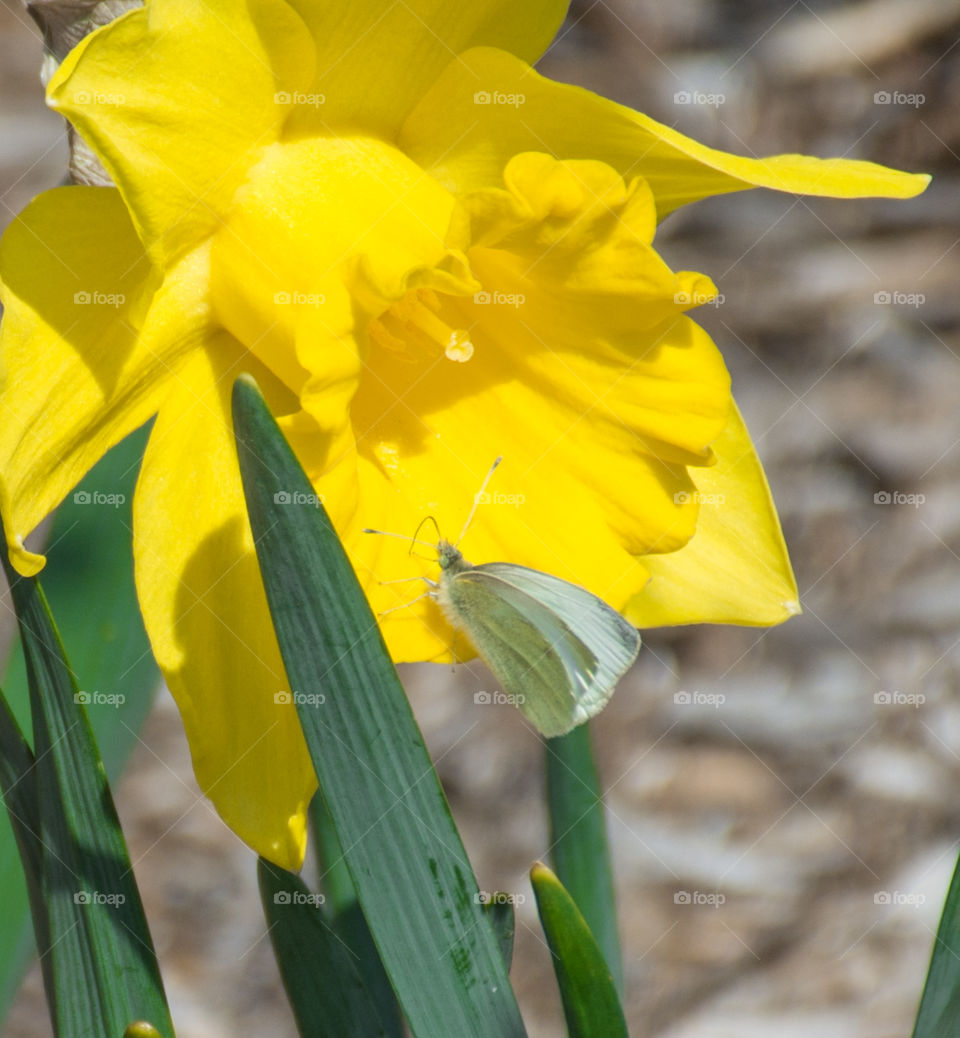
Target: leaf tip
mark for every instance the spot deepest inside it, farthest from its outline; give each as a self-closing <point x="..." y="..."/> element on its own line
<point x="541" y="873"/>
<point x="245" y="382"/>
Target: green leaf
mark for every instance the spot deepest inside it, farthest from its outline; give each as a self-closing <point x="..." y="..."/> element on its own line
<point x="101" y="957"/>
<point x="332" y="871"/>
<point x="504" y="923"/>
<point x="348" y="920"/>
<point x="591" y="1004"/>
<point x="89" y="583"/>
<point x="939" y="1012"/>
<point x="405" y="856"/>
<point x="578" y="835"/>
<point x="326" y="991"/>
<point x="18" y="786"/>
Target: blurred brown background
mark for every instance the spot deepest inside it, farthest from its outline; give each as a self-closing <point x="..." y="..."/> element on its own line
<point x="813" y="813"/>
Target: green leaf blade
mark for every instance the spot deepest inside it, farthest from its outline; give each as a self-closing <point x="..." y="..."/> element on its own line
<point x="89" y="583"/>
<point x="503" y="919"/>
<point x="405" y="856"/>
<point x="939" y="1013"/>
<point x="348" y="919"/>
<point x="327" y="994"/>
<point x="18" y="785"/>
<point x="579" y="846"/>
<point x="591" y="1004"/>
<point x="101" y="959"/>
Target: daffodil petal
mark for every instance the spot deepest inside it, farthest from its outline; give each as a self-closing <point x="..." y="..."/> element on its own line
<point x="466" y="144"/>
<point x="364" y="44"/>
<point x="323" y="228"/>
<point x="577" y="291"/>
<point x="177" y="98"/>
<point x="90" y="341"/>
<point x="206" y="613"/>
<point x="735" y="568"/>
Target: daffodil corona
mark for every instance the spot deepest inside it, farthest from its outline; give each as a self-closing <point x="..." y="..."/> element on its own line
<point x="428" y="255"/>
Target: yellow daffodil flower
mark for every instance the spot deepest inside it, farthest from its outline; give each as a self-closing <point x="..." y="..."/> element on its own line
<point x="428" y="255"/>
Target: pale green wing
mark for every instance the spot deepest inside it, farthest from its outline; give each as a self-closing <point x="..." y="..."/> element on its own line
<point x="601" y="630"/>
<point x="522" y="660"/>
<point x="576" y="635"/>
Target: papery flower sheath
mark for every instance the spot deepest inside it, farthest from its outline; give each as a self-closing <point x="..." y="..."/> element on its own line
<point x="428" y="255"/>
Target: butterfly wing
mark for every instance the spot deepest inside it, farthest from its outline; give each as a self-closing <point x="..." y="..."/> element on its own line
<point x="602" y="631"/>
<point x="522" y="660"/>
<point x="555" y="644"/>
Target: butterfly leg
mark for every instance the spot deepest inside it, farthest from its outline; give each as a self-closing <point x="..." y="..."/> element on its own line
<point x="406" y="605"/>
<point x="408" y="580"/>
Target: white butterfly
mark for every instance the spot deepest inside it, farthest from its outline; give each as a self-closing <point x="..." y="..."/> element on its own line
<point x="553" y="646"/>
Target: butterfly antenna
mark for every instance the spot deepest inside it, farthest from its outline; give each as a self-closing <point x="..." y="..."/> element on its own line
<point x="415" y="539"/>
<point x="402" y="536"/>
<point x="477" y="498"/>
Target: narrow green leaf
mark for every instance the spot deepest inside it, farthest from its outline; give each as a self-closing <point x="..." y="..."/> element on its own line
<point x="578" y="836"/>
<point x="347" y="917"/>
<point x="89" y="584"/>
<point x="591" y="1004"/>
<point x="939" y="1012"/>
<point x="504" y="922"/>
<point x="408" y="865"/>
<point x="18" y="786"/>
<point x="326" y="991"/>
<point x="332" y="871"/>
<point x="19" y="857"/>
<point x="104" y="970"/>
<point x="19" y="790"/>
